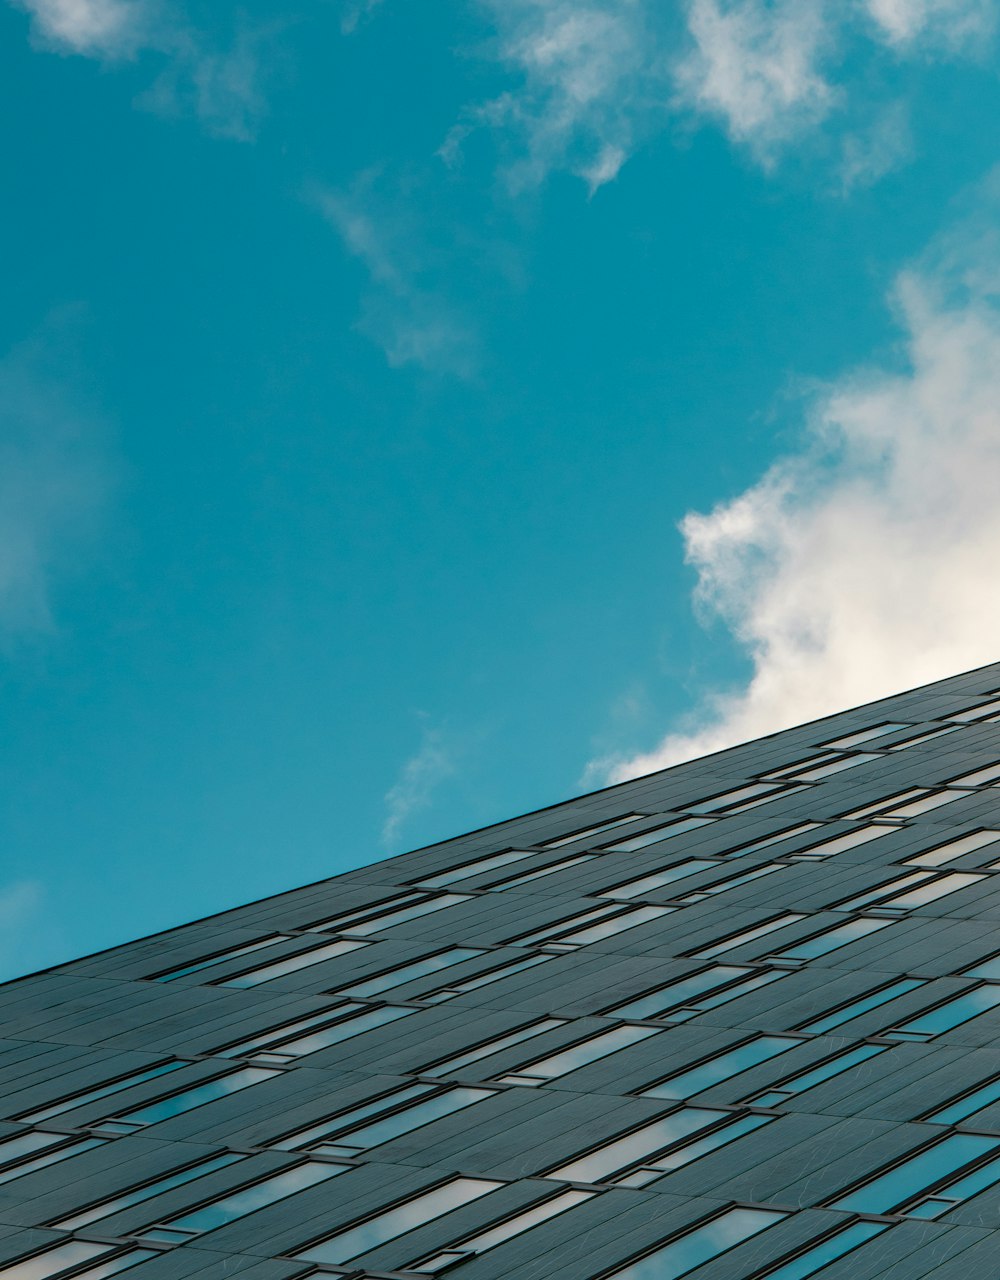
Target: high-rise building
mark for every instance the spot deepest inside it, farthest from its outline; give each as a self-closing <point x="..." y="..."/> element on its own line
<point x="737" y="1019"/>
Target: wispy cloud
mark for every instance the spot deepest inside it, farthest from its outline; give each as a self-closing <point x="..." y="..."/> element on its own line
<point x="952" y="24"/>
<point x="217" y="83"/>
<point x="865" y="562"/>
<point x="423" y="773"/>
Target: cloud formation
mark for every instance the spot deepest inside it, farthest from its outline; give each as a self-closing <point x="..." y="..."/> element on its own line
<point x="419" y="778"/>
<point x="866" y="561"/>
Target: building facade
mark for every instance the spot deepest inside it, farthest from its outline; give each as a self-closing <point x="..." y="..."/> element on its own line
<point x="734" y="1020"/>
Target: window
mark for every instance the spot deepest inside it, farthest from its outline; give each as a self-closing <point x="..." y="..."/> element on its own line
<point x="943" y="853"/>
<point x="102" y="1091"/>
<point x="655" y="1149"/>
<point x="841" y="843"/>
<point x="686" y="997"/>
<point x="30" y="1151"/>
<point x="592" y="831"/>
<point x="820" y="944"/>
<point x="410" y="972"/>
<point x="467" y="1247"/>
<point x="388" y="1117"/>
<point x="987" y="969"/>
<point x="484" y="979"/>
<point x="978" y="712"/>
<point x="529" y="876"/>
<point x="792" y="1086"/>
<point x="967" y="1104"/>
<point x="904" y="1187"/>
<point x="786" y="834"/>
<point x="317" y="1031"/>
<point x="945" y="1017"/>
<point x="922" y="802"/>
<point x="417" y="1212"/>
<point x="646" y="884"/>
<point x="591" y="926"/>
<point x="477" y="868"/>
<point x="921" y="797"/>
<point x="105" y="1208"/>
<point x="219" y="957"/>
<point x="855" y="1008"/>
<point x="579" y="1055"/>
<point x="835" y="765"/>
<point x="866" y="735"/>
<point x="218" y="1213"/>
<point x="828" y="1250"/>
<point x="449" y="1066"/>
<point x="408" y="906"/>
<point x="698" y="1245"/>
<point x="986" y="776"/>
<point x="724" y="1065"/>
<point x="291" y="964"/>
<point x="748" y="935"/>
<point x="753" y="791"/>
<point x="924" y="737"/>
<point x="922" y="887"/>
<point x="72" y="1258"/>
<point x="177" y="1104"/>
<point x="675" y="827"/>
<point x="733" y="882"/>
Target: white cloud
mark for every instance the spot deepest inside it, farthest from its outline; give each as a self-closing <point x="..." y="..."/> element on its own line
<point x="951" y="23"/>
<point x="867" y="561"/>
<point x="433" y="764"/>
<point x="97" y="28"/>
<point x="871" y="153"/>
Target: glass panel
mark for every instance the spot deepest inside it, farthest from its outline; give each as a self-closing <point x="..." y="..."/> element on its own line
<point x="680" y="991"/>
<point x="729" y="798"/>
<point x="840" y="844"/>
<point x="987" y="1175"/>
<point x="248" y="1048"/>
<point x="980" y="778"/>
<point x="988" y="969"/>
<point x="857" y="1007"/>
<point x="344" y="1029"/>
<point x="50" y="1157"/>
<point x="551" y="869"/>
<point x="394" y="1126"/>
<point x="409" y="972"/>
<point x="932" y="890"/>
<point x="669" y="829"/>
<point x="946" y="1016"/>
<point x="291" y="964"/>
<point x="422" y="1209"/>
<point x="484" y="979"/>
<point x="759" y="979"/>
<point x="953" y="849"/>
<point x="337" y="1124"/>
<point x="102" y="1091"/>
<point x="579" y="1055"/>
<point x="52" y="1261"/>
<point x="835" y="766"/>
<point x="390" y="919"/>
<point x="720" y="1137"/>
<point x="680" y="870"/>
<point x="699" y="1245"/>
<point x="451" y="1065"/>
<point x="25" y="1143"/>
<point x="901" y="1183"/>
<point x="898" y="797"/>
<point x="885" y="890"/>
<point x="930" y="800"/>
<point x="832" y="939"/>
<point x="748" y="935"/>
<point x="478" y="868"/>
<point x="620" y="923"/>
<point x="977" y="712"/>
<point x="827" y="1251"/>
<point x="967" y="1106"/>
<point x="924" y="737"/>
<point x="730" y="1063"/>
<point x="219" y="958"/>
<point x="733" y="882"/>
<point x="592" y="831"/>
<point x="787" y="834"/>
<point x="505" y="1231"/>
<point x="197" y="1096"/>
<point x="136" y="1196"/>
<point x="639" y="1145"/>
<point x="866" y="735"/>
<point x="343" y="920"/>
<point x="825" y="1071"/>
<point x="111" y="1266"/>
<point x="240" y="1203"/>
<point x="569" y="922"/>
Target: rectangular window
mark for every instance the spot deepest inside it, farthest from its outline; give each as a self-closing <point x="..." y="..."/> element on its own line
<point x="945" y="1017"/>
<point x="104" y="1208"/>
<point x="219" y="1213"/>
<point x="409" y="906"/>
<point x="840" y="844"/>
<point x="978" y="712"/>
<point x="792" y="1086"/>
<point x="984" y="777"/>
<point x="723" y="1066"/>
<point x="737" y="798"/>
<point x="73" y="1258"/>
<point x="787" y="833"/>
<point x="698" y="1245"/>
<point x="291" y="964"/>
<point x="691" y="995"/>
<point x="836" y="765"/>
<point x="646" y="884"/>
<point x="733" y="882"/>
<point x="855" y="1008"/>
<point x="590" y="926"/>
<point x="410" y="972"/>
<point x="579" y="1055"/>
<point x="449" y="1066"/>
<point x="220" y="957"/>
<point x="469" y="869"/>
<point x="866" y="735"/>
<point x="317" y="1031"/>
<point x="675" y="827"/>
<point x="829" y="1249"/>
<point x="944" y="853"/>
<point x="987" y="969"/>
<point x="924" y="737"/>
<point x="822" y="944"/>
<point x="470" y="1246"/>
<point x="484" y="979"/>
<point x="364" y="1236"/>
<point x="734" y="940"/>
<point x="922" y="888"/>
<point x="648" y="1153"/>
<point x="592" y="831"/>
<point x="530" y="876"/>
<point x="967" y="1104"/>
<point x="382" y="1120"/>
<point x="909" y="1181"/>
<point x="30" y="1151"/>
<point x="177" y="1104"/>
<point x="101" y="1091"/>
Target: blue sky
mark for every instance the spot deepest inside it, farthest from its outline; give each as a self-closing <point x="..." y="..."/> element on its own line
<point x="412" y="414"/>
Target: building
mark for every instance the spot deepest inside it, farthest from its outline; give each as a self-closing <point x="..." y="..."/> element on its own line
<point x="736" y="1019"/>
